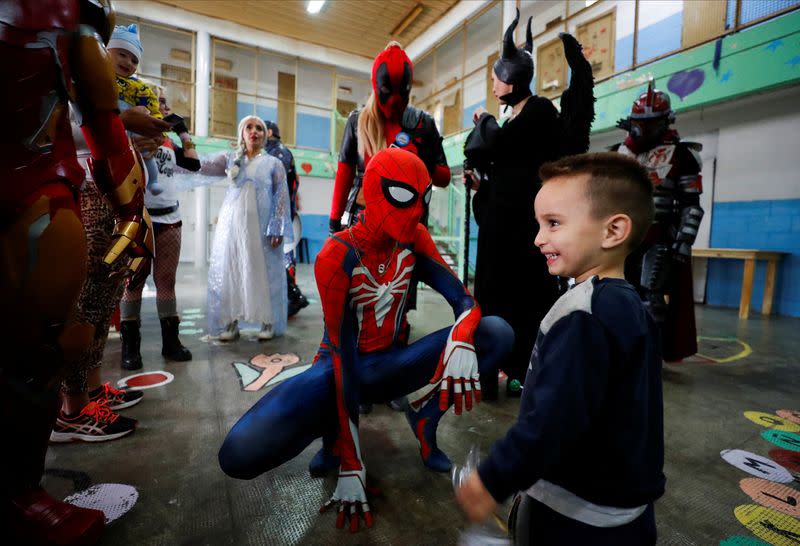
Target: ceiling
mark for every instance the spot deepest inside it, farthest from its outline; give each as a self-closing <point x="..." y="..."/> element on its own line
<point x="362" y="27"/>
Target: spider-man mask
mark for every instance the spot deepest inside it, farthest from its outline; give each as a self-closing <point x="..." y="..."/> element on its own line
<point x="397" y="188"/>
<point x="392" y="73"/>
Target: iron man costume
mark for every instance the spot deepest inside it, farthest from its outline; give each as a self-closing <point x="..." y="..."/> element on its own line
<point x="363" y="275"/>
<point x="51" y="54"/>
<point x="404" y="127"/>
<point x="662" y="264"/>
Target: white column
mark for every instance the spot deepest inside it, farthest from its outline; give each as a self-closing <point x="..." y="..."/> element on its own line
<point x="202" y="79"/>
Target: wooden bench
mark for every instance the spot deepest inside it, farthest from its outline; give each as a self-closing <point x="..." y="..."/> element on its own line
<point x="749" y="256"/>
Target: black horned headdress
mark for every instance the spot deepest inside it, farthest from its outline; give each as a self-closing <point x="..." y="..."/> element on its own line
<point x="515" y="66"/>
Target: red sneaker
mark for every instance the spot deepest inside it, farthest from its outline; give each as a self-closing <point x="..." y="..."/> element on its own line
<point x="37" y="518"/>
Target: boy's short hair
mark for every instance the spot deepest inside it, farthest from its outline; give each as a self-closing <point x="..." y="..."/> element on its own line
<point x="617" y="184"/>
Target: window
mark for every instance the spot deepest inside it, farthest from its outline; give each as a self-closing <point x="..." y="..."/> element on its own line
<point x="168" y="60"/>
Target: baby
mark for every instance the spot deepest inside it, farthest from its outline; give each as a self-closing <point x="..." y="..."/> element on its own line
<point x="125" y="50"/>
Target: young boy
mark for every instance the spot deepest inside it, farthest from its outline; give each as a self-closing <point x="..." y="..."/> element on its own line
<point x="587" y="449"/>
<point x="125" y="50"/>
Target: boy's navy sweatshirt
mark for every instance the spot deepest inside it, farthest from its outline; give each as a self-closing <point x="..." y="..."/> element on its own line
<point x="591" y="417"/>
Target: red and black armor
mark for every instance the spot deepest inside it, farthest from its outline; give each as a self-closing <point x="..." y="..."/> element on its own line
<point x="661" y="266"/>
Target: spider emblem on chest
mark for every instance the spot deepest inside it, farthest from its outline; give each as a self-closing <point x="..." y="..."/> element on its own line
<point x="379" y="297"/>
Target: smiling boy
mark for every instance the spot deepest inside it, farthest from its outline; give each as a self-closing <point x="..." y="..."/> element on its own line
<point x="587" y="449"/>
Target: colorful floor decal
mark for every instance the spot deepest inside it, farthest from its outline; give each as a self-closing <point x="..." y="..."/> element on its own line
<point x="776" y="517"/>
<point x="771" y="421"/>
<point x="789" y="415"/>
<point x="722" y="350"/>
<point x="113" y="499"/>
<point x="772" y="495"/>
<point x="190" y="331"/>
<point x="768" y="524"/>
<point x="268" y="370"/>
<point x="739" y="540"/>
<point x="786" y="440"/>
<point x="146" y="380"/>
<point x="192" y="311"/>
<point x="757" y="465"/>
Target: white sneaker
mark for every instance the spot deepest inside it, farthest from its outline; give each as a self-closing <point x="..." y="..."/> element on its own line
<point x="266" y="333"/>
<point x="231" y="332"/>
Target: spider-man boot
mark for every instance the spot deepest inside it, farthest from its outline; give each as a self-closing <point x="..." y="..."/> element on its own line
<point x="424" y="423"/>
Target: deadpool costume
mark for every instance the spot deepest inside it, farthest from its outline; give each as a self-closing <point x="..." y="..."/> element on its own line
<point x="404" y="127"/>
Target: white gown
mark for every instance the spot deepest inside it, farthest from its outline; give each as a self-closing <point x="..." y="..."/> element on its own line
<point x="246" y="275"/>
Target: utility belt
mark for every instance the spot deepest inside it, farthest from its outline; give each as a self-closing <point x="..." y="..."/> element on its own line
<point x="163" y="211"/>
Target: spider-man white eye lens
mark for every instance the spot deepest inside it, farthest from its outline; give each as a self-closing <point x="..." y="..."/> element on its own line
<point x="398" y="193"/>
<point x="427" y="196"/>
<point x="401" y="195"/>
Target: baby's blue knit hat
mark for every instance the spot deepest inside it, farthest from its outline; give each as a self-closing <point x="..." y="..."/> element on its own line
<point x="126" y="38"/>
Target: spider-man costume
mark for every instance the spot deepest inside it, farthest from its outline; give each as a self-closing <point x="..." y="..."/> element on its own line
<point x="363" y="276"/>
<point x="50" y="55"/>
<point x="404" y="127"/>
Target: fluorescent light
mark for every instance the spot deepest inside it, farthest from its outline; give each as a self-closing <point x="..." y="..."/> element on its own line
<point x="314" y="6"/>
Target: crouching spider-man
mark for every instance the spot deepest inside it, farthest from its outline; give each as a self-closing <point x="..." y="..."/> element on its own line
<point x="363" y="275"/>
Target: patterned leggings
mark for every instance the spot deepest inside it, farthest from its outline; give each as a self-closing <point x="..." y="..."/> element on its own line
<point x="165" y="266"/>
<point x="99" y="294"/>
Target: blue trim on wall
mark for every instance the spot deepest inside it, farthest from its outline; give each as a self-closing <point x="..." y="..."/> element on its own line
<point x="315" y="230"/>
<point x="267" y="113"/>
<point x="313" y="131"/>
<point x="623" y="53"/>
<point x="466" y="117"/>
<point x="659" y="38"/>
<point x="763" y="225"/>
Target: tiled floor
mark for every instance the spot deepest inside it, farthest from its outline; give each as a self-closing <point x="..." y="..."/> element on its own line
<point x="184" y="498"/>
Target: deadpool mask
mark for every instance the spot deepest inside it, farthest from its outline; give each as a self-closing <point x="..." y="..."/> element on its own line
<point x="392" y="73"/>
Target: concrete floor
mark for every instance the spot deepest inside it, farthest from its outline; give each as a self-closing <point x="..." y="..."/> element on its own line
<point x="184" y="498"/>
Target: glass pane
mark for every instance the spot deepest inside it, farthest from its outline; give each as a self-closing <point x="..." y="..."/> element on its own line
<point x="474" y="96"/>
<point x="448" y="60"/>
<point x="268" y="68"/>
<point x="233" y="87"/>
<point x="483" y="38"/>
<point x="545" y="15"/>
<point x="423" y="80"/>
<point x="314" y="106"/>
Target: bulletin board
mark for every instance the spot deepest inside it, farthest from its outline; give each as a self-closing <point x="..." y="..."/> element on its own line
<point x="551" y="69"/>
<point x="597" y="36"/>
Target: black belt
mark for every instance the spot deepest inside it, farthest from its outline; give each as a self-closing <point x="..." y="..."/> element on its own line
<point x="162" y="212"/>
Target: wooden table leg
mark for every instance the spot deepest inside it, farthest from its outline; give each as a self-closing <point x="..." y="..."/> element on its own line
<point x="747" y="288"/>
<point x="769" y="287"/>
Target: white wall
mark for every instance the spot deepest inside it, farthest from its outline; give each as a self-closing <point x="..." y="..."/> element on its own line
<point x="316" y="195"/>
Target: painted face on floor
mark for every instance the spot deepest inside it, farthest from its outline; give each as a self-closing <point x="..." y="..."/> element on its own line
<point x="569" y="234"/>
<point x="397" y="187"/>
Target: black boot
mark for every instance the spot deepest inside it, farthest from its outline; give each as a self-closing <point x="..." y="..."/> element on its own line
<point x="131" y="340"/>
<point x="171" y="346"/>
<point x="297" y="300"/>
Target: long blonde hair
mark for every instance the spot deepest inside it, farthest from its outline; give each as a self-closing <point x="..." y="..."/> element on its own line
<point x="370" y="134"/>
